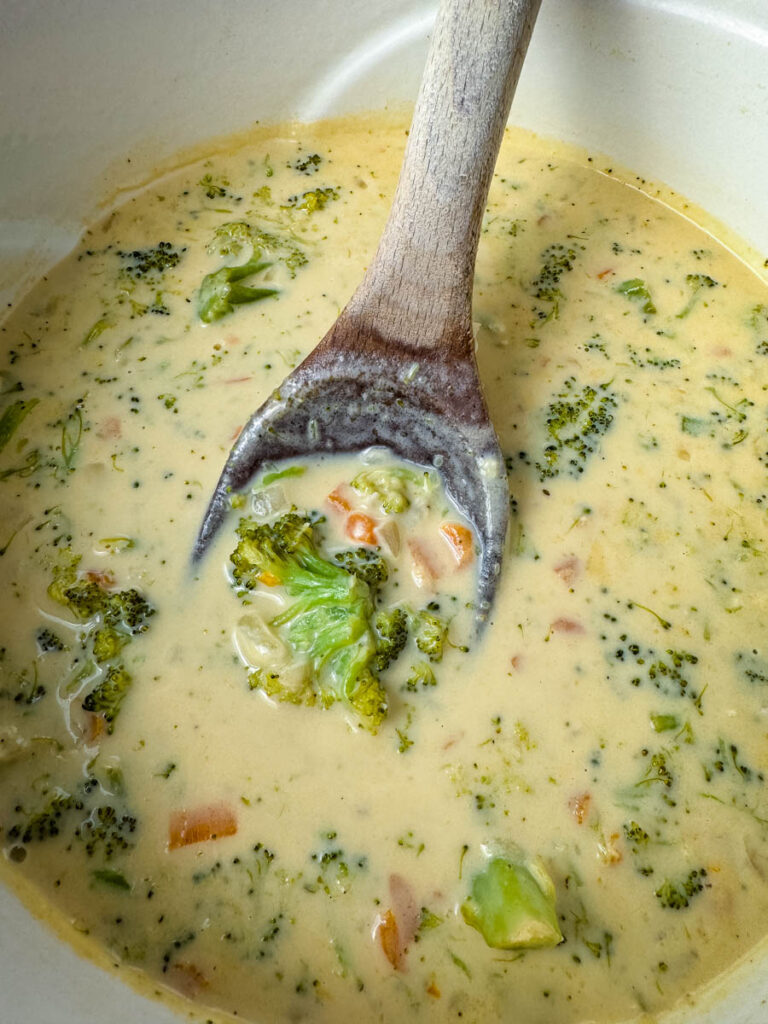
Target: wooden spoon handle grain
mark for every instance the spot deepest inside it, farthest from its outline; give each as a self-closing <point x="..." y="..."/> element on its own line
<point x="420" y="280"/>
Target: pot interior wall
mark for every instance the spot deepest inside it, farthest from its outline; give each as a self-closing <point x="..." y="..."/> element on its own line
<point x="96" y="94"/>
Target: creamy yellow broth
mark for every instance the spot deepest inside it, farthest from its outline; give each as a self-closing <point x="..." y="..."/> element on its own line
<point x="613" y="720"/>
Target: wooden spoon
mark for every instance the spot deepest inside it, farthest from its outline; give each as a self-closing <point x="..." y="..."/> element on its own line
<point x="398" y="369"/>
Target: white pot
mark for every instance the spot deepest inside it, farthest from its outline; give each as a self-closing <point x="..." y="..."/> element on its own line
<point x="95" y="93"/>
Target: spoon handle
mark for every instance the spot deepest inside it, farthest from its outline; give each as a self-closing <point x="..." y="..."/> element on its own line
<point x="418" y="288"/>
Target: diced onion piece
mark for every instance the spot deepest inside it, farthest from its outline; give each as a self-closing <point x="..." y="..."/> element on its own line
<point x="389" y="535"/>
<point x="459" y="540"/>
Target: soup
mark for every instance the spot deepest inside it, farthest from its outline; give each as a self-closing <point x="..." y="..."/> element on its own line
<point x="235" y="839"/>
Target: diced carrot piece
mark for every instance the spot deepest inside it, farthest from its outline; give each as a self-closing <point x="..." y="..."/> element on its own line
<point x="459" y="540"/>
<point x="390" y="939"/>
<point x="102" y="579"/>
<point x="268" y="579"/>
<point x="605" y="273"/>
<point x="187" y="978"/>
<point x="360" y="528"/>
<point x="94" y="727"/>
<point x="608" y="850"/>
<point x="433" y="990"/>
<point x="567" y="626"/>
<point x="337" y="500"/>
<point x="579" y="807"/>
<point x="569" y="569"/>
<point x="200" y="825"/>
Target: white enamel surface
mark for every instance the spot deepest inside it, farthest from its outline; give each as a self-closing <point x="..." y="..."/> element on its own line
<point x="675" y="89"/>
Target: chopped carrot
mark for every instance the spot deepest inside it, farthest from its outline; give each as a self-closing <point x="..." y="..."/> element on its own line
<point x="268" y="579"/>
<point x="187" y="978"/>
<point x="236" y="433"/>
<point x="566" y="626"/>
<point x="389" y="938"/>
<point x="102" y="579"/>
<point x="579" y="807"/>
<point x="336" y="499"/>
<point x="433" y="990"/>
<point x="568" y="569"/>
<point x="360" y="528"/>
<point x="201" y="824"/>
<point x="605" y="273"/>
<point x="94" y="727"/>
<point x="459" y="540"/>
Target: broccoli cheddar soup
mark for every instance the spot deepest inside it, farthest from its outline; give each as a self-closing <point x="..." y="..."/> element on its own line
<point x="289" y="782"/>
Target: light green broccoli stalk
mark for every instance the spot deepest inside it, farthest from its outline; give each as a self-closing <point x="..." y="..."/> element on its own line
<point x="330" y="621"/>
<point x="394" y="486"/>
<point x="512" y="902"/>
<point x="221" y="291"/>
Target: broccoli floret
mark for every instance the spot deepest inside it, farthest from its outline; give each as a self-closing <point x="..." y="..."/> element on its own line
<point x="636" y="290"/>
<point x="393" y="486"/>
<point x="221" y="291"/>
<point x="233" y="237"/>
<point x="124" y="611"/>
<point x="307" y="164"/>
<point x="557" y="260"/>
<point x="47" y="641"/>
<point x="368" y="565"/>
<point x="575" y="420"/>
<point x="696" y="282"/>
<point x="127" y="610"/>
<point x="421" y="675"/>
<point x="316" y="199"/>
<point x="150" y="263"/>
<point x="329" y="623"/>
<point x="46" y="823"/>
<point x="106" y="832"/>
<point x="107" y="644"/>
<point x="28" y="689"/>
<point x="108" y="696"/>
<point x="678" y="895"/>
<point x="636" y="834"/>
<point x="512" y="903"/>
<point x="430" y="633"/>
<point x="391" y="628"/>
<point x="273" y="684"/>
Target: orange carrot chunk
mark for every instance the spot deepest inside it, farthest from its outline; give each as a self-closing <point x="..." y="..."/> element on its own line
<point x="459" y="540"/>
<point x="360" y="528"/>
<point x="390" y="939"/>
<point x="268" y="579"/>
<point x="201" y="824"/>
<point x="337" y="500"/>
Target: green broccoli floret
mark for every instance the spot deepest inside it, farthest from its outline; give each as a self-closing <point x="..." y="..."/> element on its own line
<point x="678" y="895"/>
<point x="316" y="199"/>
<point x="391" y="629"/>
<point x="127" y="610"/>
<point x="106" y="831"/>
<point x="152" y="262"/>
<point x="575" y="421"/>
<point x="635" y="289"/>
<point x="83" y="597"/>
<point x="430" y="633"/>
<point x="512" y="903"/>
<point x="46" y="823"/>
<point x="393" y="486"/>
<point x="108" y="696"/>
<point x="232" y="238"/>
<point x="47" y="641"/>
<point x="557" y="259"/>
<point x="636" y="834"/>
<point x="221" y="291"/>
<point x="696" y="282"/>
<point x="368" y="565"/>
<point x="421" y="675"/>
<point x="107" y="643"/>
<point x="29" y="690"/>
<point x="275" y="686"/>
<point x="329" y="623"/>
